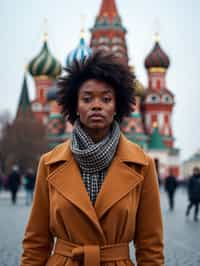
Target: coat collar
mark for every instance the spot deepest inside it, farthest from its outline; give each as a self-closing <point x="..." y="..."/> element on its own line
<point x="119" y="180"/>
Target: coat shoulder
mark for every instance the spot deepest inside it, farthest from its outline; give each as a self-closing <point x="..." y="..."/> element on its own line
<point x="132" y="152"/>
<point x="147" y="157"/>
<point x="58" y="153"/>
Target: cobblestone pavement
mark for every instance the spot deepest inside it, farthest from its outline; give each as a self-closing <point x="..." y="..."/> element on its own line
<point x="182" y="245"/>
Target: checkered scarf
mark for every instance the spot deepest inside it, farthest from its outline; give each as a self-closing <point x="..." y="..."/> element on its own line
<point x="94" y="158"/>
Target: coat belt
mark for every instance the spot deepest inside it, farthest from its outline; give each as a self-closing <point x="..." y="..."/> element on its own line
<point x="92" y="255"/>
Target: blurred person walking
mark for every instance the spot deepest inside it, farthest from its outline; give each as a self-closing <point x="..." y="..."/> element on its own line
<point x="29" y="183"/>
<point x="194" y="193"/>
<point x="1" y="179"/>
<point x="14" y="183"/>
<point x="170" y="188"/>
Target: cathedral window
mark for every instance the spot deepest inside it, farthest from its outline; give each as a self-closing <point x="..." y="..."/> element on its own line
<point x="119" y="54"/>
<point x="47" y="108"/>
<point x="94" y="42"/>
<point x="117" y="48"/>
<point x="117" y="40"/>
<point x="103" y="48"/>
<point x="167" y="99"/>
<point x="160" y="119"/>
<point x="36" y="107"/>
<point x="41" y="94"/>
<point x="153" y="98"/>
<point x="158" y="83"/>
<point x="103" y="40"/>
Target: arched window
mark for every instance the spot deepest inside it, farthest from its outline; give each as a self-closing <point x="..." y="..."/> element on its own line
<point x="117" y="48"/>
<point x="158" y="83"/>
<point x="103" y="40"/>
<point x="36" y="107"/>
<point x="103" y="48"/>
<point x="166" y="98"/>
<point x="153" y="98"/>
<point x="117" y="40"/>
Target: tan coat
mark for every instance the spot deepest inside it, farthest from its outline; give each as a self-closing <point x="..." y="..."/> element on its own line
<point x="127" y="209"/>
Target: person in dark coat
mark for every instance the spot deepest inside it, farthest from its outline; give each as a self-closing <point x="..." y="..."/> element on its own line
<point x="170" y="188"/>
<point x="29" y="183"/>
<point x="194" y="193"/>
<point x="14" y="183"/>
<point x="1" y="179"/>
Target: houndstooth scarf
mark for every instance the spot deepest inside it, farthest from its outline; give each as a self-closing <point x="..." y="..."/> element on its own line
<point x="94" y="158"/>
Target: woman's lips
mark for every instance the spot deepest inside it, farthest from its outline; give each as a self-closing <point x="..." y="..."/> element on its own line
<point x="96" y="117"/>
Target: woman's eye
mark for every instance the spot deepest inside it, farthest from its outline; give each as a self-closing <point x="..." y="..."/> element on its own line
<point x="86" y="99"/>
<point x="107" y="99"/>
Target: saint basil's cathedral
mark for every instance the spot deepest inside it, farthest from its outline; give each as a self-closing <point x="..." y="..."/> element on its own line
<point x="149" y="125"/>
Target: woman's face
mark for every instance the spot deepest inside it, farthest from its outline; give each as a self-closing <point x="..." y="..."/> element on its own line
<point x="96" y="104"/>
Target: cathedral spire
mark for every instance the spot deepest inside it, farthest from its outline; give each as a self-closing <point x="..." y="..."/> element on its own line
<point x="108" y="32"/>
<point x="108" y="9"/>
<point x="24" y="105"/>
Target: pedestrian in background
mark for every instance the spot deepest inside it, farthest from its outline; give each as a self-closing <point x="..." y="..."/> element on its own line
<point x="194" y="193"/>
<point x="170" y="188"/>
<point x="4" y="180"/>
<point x="29" y="183"/>
<point x="1" y="179"/>
<point x="98" y="191"/>
<point x="14" y="183"/>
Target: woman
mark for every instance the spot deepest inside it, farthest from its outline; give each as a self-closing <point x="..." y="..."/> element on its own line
<point x="98" y="191"/>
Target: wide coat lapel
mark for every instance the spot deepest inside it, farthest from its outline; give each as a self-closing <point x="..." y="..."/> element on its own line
<point x="121" y="178"/>
<point x="67" y="180"/>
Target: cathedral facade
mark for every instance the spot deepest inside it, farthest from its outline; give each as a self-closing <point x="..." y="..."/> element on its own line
<point x="149" y="125"/>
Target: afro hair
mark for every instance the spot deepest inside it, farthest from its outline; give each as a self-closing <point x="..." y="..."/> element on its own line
<point x="101" y="66"/>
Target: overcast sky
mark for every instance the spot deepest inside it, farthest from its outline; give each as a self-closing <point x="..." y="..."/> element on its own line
<point x="22" y="27"/>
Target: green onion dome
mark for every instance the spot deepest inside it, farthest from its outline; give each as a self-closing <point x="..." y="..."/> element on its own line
<point x="44" y="64"/>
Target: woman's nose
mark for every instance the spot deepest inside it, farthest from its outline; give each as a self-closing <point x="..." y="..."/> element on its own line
<point x="96" y="105"/>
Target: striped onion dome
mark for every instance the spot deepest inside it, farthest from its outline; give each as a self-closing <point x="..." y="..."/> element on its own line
<point x="44" y="64"/>
<point x="79" y="53"/>
<point x="157" y="58"/>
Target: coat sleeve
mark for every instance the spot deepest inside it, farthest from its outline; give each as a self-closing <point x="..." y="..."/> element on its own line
<point x="149" y="228"/>
<point x="38" y="241"/>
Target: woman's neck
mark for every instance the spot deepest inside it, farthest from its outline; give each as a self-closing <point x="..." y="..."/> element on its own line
<point x="96" y="134"/>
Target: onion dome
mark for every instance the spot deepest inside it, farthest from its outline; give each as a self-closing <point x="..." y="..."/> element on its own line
<point x="80" y="52"/>
<point x="139" y="88"/>
<point x="157" y="57"/>
<point x="44" y="64"/>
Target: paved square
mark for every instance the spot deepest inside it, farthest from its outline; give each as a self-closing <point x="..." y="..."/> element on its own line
<point x="182" y="235"/>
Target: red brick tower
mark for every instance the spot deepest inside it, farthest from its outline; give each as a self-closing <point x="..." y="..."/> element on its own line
<point x="159" y="100"/>
<point x="108" y="32"/>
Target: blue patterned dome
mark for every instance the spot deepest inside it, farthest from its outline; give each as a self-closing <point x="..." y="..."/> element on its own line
<point x="81" y="51"/>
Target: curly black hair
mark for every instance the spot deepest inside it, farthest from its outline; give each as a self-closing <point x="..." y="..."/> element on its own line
<point x="101" y="66"/>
